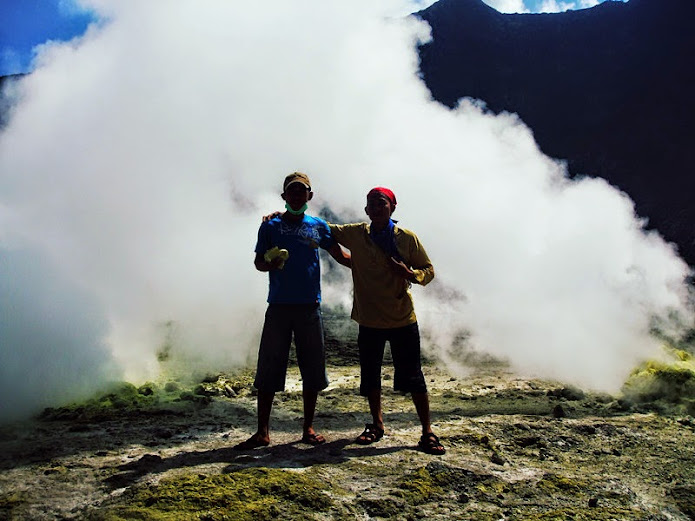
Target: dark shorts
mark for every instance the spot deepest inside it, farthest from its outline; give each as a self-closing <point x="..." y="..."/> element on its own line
<point x="405" y="351"/>
<point x="282" y="321"/>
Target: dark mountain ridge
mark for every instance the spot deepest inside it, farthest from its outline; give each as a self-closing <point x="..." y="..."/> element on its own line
<point x="606" y="88"/>
<point x="6" y="98"/>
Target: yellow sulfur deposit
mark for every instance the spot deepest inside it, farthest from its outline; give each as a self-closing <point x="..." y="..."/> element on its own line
<point x="274" y="252"/>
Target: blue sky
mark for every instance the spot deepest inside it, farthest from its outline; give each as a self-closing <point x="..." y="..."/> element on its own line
<point x="25" y="24"/>
<point x="541" y="6"/>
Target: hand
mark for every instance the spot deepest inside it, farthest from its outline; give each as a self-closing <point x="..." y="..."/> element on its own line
<point x="270" y="216"/>
<point x="273" y="259"/>
<point x="276" y="257"/>
<point x="402" y="270"/>
<point x="276" y="264"/>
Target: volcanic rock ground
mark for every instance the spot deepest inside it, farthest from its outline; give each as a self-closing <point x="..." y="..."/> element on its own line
<point x="516" y="449"/>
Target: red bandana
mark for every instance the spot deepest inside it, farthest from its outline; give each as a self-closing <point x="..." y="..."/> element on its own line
<point x="383" y="191"/>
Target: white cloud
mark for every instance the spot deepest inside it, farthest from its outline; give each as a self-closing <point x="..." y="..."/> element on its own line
<point x="514" y="6"/>
<point x="540" y="6"/>
<point x="553" y="6"/>
<point x="508" y="6"/>
<point x="142" y="157"/>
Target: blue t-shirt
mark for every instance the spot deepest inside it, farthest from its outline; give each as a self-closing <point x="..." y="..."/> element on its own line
<point x="299" y="282"/>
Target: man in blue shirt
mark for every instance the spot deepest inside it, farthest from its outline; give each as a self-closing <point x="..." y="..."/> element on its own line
<point x="294" y="298"/>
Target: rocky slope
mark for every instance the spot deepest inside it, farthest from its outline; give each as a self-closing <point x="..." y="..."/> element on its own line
<point x="517" y="449"/>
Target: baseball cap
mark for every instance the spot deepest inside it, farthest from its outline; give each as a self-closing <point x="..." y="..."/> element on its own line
<point x="296" y="177"/>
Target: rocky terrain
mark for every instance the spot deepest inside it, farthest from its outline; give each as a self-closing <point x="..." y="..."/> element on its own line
<point x="517" y="449"/>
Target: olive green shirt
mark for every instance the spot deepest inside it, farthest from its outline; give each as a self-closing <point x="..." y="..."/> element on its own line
<point x="382" y="299"/>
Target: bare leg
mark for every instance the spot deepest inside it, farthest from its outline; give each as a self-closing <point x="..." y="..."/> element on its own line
<point x="375" y="431"/>
<point x="429" y="442"/>
<point x="265" y="405"/>
<point x="374" y="399"/>
<point x="308" y="433"/>
<point x="309" y="398"/>
<point x="422" y="406"/>
<point x="262" y="436"/>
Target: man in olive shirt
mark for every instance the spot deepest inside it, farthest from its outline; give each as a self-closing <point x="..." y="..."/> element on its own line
<point x="386" y="260"/>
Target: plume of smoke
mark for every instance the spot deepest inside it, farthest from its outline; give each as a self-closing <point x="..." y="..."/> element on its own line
<point x="43" y="318"/>
<point x="141" y="157"/>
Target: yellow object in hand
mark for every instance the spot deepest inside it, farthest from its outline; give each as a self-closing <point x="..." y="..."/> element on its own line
<point x="275" y="252"/>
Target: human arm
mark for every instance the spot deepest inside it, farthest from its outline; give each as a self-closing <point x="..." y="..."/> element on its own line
<point x="268" y="255"/>
<point x="345" y="234"/>
<point x="422" y="275"/>
<point x="263" y="265"/>
<point x="402" y="270"/>
<point x="340" y="255"/>
<point x="416" y="266"/>
<point x="270" y="216"/>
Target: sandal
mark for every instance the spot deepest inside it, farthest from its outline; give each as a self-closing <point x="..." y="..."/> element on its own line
<point x="313" y="439"/>
<point x="371" y="434"/>
<point x="430" y="444"/>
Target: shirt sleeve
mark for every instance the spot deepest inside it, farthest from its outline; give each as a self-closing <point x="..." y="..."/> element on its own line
<point x="336" y="230"/>
<point x="263" y="240"/>
<point x="344" y="233"/>
<point x="420" y="263"/>
<point x="326" y="236"/>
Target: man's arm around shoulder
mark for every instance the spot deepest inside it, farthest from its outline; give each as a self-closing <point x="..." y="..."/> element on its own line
<point x="340" y="255"/>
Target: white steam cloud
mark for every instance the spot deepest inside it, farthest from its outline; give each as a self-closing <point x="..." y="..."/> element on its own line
<point x="135" y="170"/>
